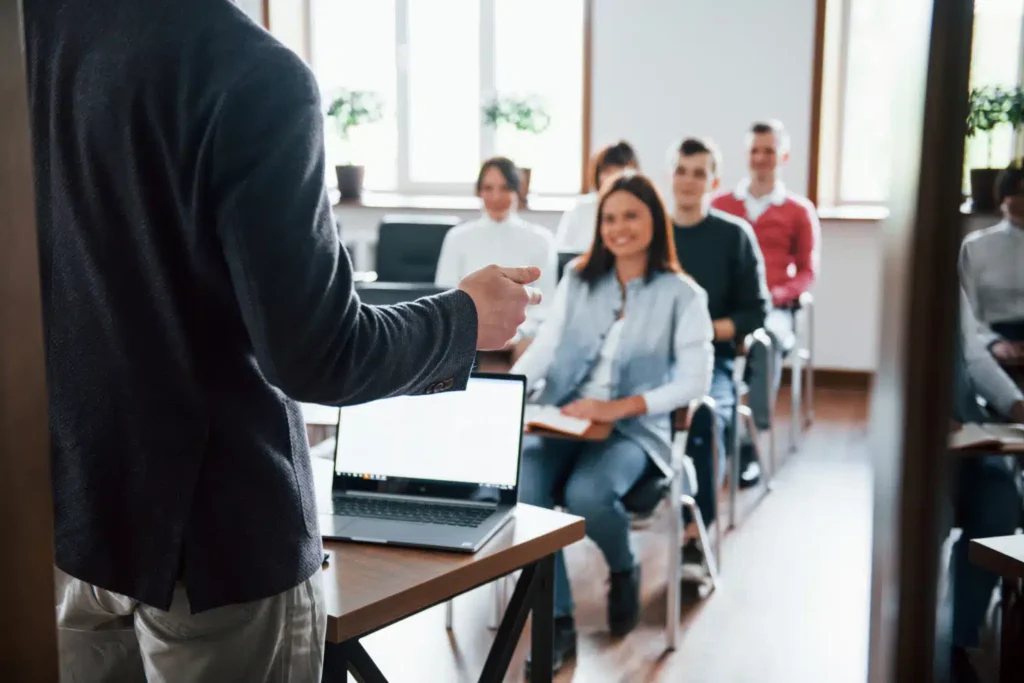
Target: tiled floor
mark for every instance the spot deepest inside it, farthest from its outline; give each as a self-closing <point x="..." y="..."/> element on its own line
<point x="792" y="606"/>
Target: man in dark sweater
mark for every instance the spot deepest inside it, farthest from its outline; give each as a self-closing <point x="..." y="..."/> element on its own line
<point x="193" y="286"/>
<point x="720" y="252"/>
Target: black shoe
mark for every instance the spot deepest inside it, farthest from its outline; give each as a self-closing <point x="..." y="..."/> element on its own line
<point x="624" y="601"/>
<point x="564" y="646"/>
<point x="750" y="469"/>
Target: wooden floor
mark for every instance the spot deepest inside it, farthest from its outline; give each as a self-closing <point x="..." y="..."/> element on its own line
<point x="792" y="604"/>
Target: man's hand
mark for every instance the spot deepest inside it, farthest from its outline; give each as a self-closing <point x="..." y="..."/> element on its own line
<point x="606" y="411"/>
<point x="1008" y="352"/>
<point x="1017" y="412"/>
<point x="501" y="297"/>
<point x="725" y="329"/>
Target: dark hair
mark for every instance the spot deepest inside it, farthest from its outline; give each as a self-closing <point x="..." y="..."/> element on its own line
<point x="619" y="155"/>
<point x="692" y="146"/>
<point x="661" y="254"/>
<point x="775" y="127"/>
<point x="508" y="170"/>
<point x="1009" y="182"/>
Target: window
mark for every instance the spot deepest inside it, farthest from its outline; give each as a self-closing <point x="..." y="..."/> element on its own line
<point x="434" y="65"/>
<point x="856" y="104"/>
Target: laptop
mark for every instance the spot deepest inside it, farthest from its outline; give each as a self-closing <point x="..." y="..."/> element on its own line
<point x="439" y="471"/>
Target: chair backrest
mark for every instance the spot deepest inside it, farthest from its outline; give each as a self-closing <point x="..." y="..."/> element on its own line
<point x="564" y="257"/>
<point x="408" y="246"/>
<point x="387" y="293"/>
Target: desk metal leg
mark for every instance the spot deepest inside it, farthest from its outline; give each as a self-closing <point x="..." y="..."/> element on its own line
<point x="335" y="664"/>
<point x="350" y="656"/>
<point x="535" y="592"/>
<point x="542" y="628"/>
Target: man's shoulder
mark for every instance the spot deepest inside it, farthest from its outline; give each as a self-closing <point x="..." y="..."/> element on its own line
<point x="724" y="198"/>
<point x="730" y="222"/>
<point x="800" y="203"/>
<point x="989" y="235"/>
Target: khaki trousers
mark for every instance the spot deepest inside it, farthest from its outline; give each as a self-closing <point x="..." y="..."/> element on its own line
<point x="105" y="637"/>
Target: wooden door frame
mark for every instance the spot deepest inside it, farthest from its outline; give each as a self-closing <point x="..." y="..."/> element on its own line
<point x="911" y="402"/>
<point x="28" y="644"/>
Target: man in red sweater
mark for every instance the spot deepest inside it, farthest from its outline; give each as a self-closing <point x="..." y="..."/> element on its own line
<point x="787" y="229"/>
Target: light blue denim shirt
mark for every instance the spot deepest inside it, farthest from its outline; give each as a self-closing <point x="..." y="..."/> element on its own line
<point x="664" y="353"/>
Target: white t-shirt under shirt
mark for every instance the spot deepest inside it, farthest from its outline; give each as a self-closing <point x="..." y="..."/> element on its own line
<point x="598" y="384"/>
<point x="512" y="242"/>
<point x="575" y="231"/>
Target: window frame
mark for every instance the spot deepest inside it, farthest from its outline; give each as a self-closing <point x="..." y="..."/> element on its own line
<point x="405" y="185"/>
<point x="826" y="173"/>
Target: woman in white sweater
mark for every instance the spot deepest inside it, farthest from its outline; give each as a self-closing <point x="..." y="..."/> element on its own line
<point x="500" y="236"/>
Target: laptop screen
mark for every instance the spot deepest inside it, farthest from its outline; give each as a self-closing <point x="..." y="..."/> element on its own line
<point x="469" y="437"/>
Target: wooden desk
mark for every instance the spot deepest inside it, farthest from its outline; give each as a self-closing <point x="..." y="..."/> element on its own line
<point x="1004" y="556"/>
<point x="368" y="587"/>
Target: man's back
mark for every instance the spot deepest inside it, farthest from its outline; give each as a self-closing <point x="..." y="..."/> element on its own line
<point x="192" y="276"/>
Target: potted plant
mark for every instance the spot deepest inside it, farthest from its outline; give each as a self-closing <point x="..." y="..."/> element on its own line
<point x="527" y="117"/>
<point x="350" y="109"/>
<point x="989" y="109"/>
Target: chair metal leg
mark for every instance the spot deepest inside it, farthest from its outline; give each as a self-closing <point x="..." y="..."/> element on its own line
<point x="449" y="614"/>
<point x="771" y="412"/>
<point x="710" y="564"/>
<point x="809" y="321"/>
<point x="716" y="454"/>
<point x="747" y="417"/>
<point x="734" y="470"/>
<point x="796" y="389"/>
<point x="674" y="533"/>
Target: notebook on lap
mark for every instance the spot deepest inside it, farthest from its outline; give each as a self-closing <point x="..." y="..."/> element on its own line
<point x="438" y="471"/>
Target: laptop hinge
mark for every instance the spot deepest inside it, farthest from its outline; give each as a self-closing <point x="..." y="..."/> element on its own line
<point x="418" y="499"/>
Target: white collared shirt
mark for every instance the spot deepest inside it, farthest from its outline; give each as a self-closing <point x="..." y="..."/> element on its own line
<point x="512" y="242"/>
<point x="756" y="206"/>
<point x="992" y="276"/>
<point x="575" y="231"/>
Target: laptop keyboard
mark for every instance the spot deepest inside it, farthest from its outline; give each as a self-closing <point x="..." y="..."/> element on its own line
<point x="427" y="513"/>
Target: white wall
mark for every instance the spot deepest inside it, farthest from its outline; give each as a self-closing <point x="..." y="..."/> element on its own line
<point x="664" y="69"/>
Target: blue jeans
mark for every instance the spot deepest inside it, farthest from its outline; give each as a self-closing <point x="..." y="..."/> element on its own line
<point x="699" y="446"/>
<point x="988" y="504"/>
<point x="589" y="479"/>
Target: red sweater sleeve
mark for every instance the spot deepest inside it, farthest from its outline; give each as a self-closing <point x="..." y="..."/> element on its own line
<point x="805" y="256"/>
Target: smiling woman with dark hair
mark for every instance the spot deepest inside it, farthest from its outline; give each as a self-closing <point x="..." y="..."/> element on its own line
<point x="626" y="342"/>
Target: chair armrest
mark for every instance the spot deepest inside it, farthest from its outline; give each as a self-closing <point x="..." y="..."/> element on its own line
<point x="682" y="419"/>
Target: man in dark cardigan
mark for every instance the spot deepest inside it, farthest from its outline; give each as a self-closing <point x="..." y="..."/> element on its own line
<point x="194" y="287"/>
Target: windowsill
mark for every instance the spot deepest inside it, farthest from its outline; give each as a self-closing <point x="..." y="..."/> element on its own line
<point x="394" y="200"/>
<point x="853" y="212"/>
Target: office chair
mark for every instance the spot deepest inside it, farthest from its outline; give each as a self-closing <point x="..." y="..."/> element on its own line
<point x="564" y="257"/>
<point x="758" y="351"/>
<point x="408" y="246"/>
<point x="642" y="502"/>
<point x="802" y="366"/>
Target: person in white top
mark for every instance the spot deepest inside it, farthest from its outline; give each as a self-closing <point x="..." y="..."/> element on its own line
<point x="992" y="273"/>
<point x="500" y="235"/>
<point x="575" y="231"/>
